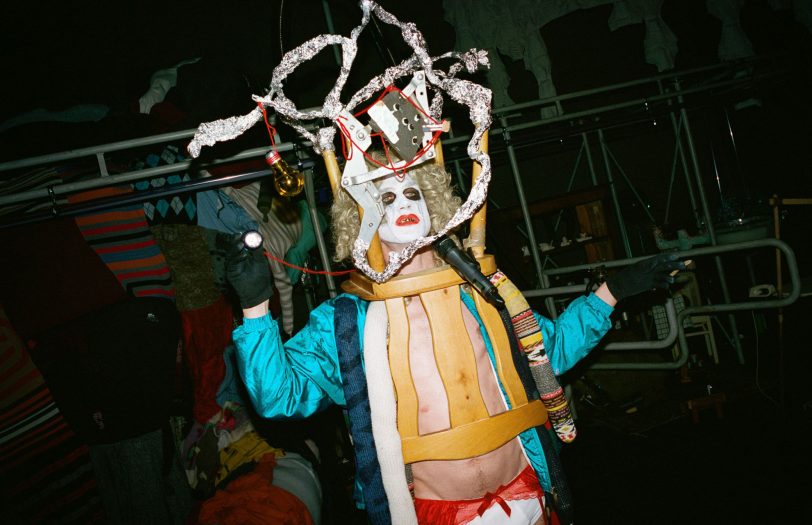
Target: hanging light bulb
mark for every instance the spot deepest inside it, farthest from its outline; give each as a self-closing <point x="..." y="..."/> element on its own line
<point x="287" y="181"/>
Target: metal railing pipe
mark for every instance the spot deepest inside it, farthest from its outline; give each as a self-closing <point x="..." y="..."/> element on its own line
<point x="131" y="176"/>
<point x="676" y="330"/>
<point x="517" y="177"/>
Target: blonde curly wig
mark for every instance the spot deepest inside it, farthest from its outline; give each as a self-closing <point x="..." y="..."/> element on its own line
<point x="435" y="184"/>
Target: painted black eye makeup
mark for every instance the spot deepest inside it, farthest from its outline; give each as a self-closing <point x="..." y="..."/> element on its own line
<point x="388" y="197"/>
<point x="412" y="194"/>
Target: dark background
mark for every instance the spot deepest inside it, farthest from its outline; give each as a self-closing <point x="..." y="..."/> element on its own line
<point x="649" y="466"/>
<point x="105" y="53"/>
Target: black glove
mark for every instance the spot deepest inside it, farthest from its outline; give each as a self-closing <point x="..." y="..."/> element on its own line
<point x="248" y="272"/>
<point x="648" y="274"/>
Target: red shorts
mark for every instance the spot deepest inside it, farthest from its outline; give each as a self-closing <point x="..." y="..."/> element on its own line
<point x="454" y="512"/>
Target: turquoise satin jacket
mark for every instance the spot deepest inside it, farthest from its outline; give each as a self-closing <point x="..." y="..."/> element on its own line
<point x="302" y="376"/>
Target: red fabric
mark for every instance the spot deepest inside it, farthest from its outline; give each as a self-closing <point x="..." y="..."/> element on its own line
<point x="206" y="333"/>
<point x="251" y="499"/>
<point x="454" y="512"/>
<point x="491" y="498"/>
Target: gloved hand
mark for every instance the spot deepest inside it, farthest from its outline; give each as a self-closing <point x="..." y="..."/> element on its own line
<point x="648" y="274"/>
<point x="248" y="273"/>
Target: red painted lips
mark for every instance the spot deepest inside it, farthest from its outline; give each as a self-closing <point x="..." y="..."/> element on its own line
<point x="407" y="220"/>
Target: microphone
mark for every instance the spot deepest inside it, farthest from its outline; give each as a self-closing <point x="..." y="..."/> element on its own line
<point x="468" y="268"/>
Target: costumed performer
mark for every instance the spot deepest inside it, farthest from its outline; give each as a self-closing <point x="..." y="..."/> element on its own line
<point x="448" y="387"/>
<point x="303" y="375"/>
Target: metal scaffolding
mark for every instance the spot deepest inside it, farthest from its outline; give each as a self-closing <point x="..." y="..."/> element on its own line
<point x="584" y="116"/>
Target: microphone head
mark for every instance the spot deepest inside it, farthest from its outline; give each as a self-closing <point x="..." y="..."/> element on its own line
<point x="443" y="245"/>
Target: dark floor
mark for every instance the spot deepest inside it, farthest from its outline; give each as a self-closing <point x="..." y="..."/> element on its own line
<point x="750" y="464"/>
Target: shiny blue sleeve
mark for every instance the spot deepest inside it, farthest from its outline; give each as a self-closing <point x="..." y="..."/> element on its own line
<point x="295" y="379"/>
<point x="576" y="332"/>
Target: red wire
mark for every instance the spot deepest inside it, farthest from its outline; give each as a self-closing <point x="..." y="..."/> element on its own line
<point x="345" y="135"/>
<point x="419" y="153"/>
<point x="383" y="94"/>
<point x="344" y="153"/>
<point x="272" y="132"/>
<point x="271" y="129"/>
<point x="271" y="256"/>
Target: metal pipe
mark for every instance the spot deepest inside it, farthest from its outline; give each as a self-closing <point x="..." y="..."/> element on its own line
<point x="682" y="254"/>
<point x="571" y="182"/>
<point x="624" y="105"/>
<point x="572" y="178"/>
<point x="589" y="162"/>
<point x="310" y="195"/>
<point x="93" y="150"/>
<point x="136" y="197"/>
<point x="716" y="173"/>
<point x="677" y="323"/>
<point x="131" y="176"/>
<point x="740" y="171"/>
<point x="671" y="179"/>
<point x="712" y="309"/>
<point x="677" y="127"/>
<point x="102" y="164"/>
<point x="711" y="230"/>
<point x="622" y="85"/>
<point x="634" y="191"/>
<point x="514" y="166"/>
<point x="624" y="236"/>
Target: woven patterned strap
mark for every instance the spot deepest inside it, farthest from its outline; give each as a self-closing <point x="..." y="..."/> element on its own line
<point x="355" y="392"/>
<point x="531" y="340"/>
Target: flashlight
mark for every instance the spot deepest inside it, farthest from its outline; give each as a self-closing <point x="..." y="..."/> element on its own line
<point x="251" y="239"/>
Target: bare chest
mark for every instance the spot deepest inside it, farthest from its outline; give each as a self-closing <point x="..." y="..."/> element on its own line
<point x="466" y="478"/>
<point x="430" y="386"/>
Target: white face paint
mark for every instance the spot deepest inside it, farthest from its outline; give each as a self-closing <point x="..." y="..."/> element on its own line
<point x="406" y="217"/>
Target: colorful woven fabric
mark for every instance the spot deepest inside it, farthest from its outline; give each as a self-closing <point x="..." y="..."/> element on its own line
<point x="124" y="242"/>
<point x="177" y="209"/>
<point x="46" y="471"/>
<point x="528" y="332"/>
<point x="250" y="448"/>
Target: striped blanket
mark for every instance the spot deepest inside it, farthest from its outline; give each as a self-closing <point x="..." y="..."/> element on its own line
<point x="124" y="242"/>
<point x="46" y="472"/>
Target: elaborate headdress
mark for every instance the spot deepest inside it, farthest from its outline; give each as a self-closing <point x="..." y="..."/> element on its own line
<point x="404" y="119"/>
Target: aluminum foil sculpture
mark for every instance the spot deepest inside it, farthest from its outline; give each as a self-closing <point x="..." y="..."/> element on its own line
<point x="424" y="72"/>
